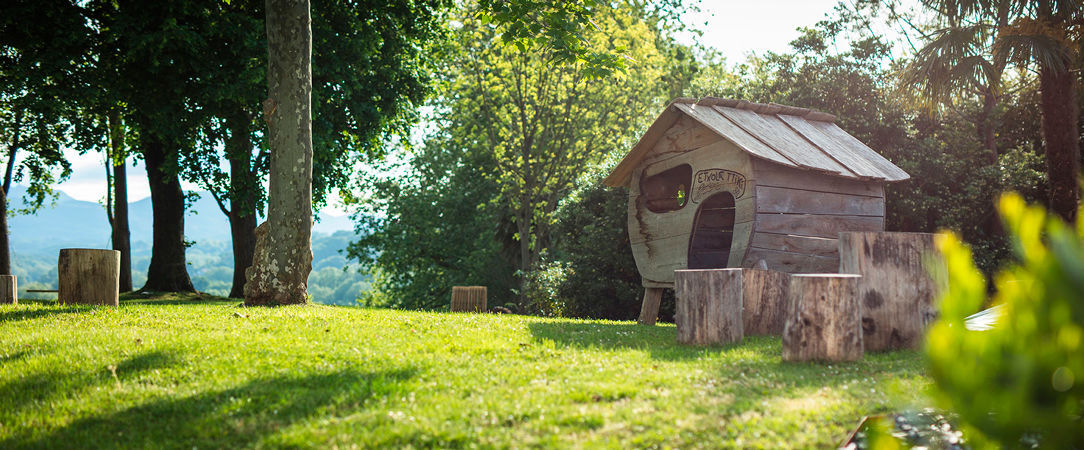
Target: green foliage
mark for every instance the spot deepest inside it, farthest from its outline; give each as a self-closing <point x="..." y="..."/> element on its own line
<point x="181" y="372"/>
<point x="1027" y="374"/>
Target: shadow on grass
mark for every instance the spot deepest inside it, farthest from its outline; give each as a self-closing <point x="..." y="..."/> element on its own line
<point x="242" y="416"/>
<point x="17" y="314"/>
<point x="659" y="341"/>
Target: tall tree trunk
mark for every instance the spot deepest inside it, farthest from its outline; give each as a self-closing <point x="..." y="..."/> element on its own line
<point x="242" y="213"/>
<point x="5" y="244"/>
<point x="167" y="271"/>
<point x="1060" y="114"/>
<point x="121" y="234"/>
<point x="988" y="126"/>
<point x="280" y="270"/>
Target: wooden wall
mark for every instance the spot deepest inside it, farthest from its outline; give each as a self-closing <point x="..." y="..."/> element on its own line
<point x="799" y="215"/>
<point x="660" y="241"/>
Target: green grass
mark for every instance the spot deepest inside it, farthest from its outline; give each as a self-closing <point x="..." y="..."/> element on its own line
<point x="170" y="372"/>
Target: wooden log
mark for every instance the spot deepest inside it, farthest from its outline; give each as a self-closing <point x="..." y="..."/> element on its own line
<point x="824" y="318"/>
<point x="764" y="301"/>
<point x="649" y="310"/>
<point x="709" y="306"/>
<point x="468" y="299"/>
<point x="9" y="290"/>
<point x="88" y="276"/>
<point x="897" y="293"/>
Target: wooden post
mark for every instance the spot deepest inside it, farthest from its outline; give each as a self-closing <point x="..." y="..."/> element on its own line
<point x="89" y="276"/>
<point x="708" y="306"/>
<point x="468" y="299"/>
<point x="649" y="310"/>
<point x="764" y="301"/>
<point x="896" y="290"/>
<point x="9" y="290"/>
<point x="823" y="320"/>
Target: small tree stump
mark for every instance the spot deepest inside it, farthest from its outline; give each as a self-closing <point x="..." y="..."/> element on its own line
<point x="649" y="310"/>
<point x="824" y="319"/>
<point x="764" y="301"/>
<point x="468" y="299"/>
<point x="896" y="290"/>
<point x="89" y="276"/>
<point x="709" y="306"/>
<point x="9" y="289"/>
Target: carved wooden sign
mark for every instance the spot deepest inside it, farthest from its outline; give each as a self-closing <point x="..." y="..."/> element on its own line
<point x="709" y="181"/>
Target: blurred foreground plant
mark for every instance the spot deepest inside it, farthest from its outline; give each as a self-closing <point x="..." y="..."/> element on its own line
<point x="1023" y="379"/>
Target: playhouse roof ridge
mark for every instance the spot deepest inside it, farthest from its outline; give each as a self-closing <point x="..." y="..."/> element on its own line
<point x="760" y="108"/>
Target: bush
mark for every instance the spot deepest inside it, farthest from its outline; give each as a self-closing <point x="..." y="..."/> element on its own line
<point x="1025" y="377"/>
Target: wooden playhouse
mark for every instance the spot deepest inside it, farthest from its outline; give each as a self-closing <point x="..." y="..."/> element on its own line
<point x="721" y="183"/>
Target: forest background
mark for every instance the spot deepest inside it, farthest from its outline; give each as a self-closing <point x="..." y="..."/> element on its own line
<point x="499" y="186"/>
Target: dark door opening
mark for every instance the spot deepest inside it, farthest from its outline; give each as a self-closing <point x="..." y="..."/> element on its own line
<point x="713" y="231"/>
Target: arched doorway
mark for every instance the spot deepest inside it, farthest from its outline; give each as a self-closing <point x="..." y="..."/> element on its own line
<point x="713" y="231"/>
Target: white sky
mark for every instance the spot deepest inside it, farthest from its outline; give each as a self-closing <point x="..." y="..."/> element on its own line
<point x="737" y="28"/>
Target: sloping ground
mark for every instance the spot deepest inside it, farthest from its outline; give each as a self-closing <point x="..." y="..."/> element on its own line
<point x="175" y="373"/>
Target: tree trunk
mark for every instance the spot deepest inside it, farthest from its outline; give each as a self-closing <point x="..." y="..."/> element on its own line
<point x="167" y="271"/>
<point x="1060" y="114"/>
<point x="283" y="259"/>
<point x="5" y="244"/>
<point x="121" y="233"/>
<point x="824" y="318"/>
<point x="242" y="213"/>
<point x="709" y="306"/>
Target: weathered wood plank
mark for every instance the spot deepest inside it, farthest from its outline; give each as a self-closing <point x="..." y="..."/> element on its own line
<point x="884" y="165"/>
<point x="649" y="309"/>
<point x="88" y="276"/>
<point x="772" y="199"/>
<point x="841" y="153"/>
<point x="768" y="174"/>
<point x="9" y="290"/>
<point x="816" y="246"/>
<point x="816" y="225"/>
<point x="686" y="134"/>
<point x="709" y="306"/>
<point x="725" y="128"/>
<point x="897" y="293"/>
<point x="784" y="140"/>
<point x="823" y="320"/>
<point x="650" y="225"/>
<point x="740" y="246"/>
<point x="468" y="299"/>
<point x="789" y="262"/>
<point x="764" y="301"/>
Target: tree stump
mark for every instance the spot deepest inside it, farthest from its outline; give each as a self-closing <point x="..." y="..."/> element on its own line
<point x="709" y="306"/>
<point x="649" y="310"/>
<point x="468" y="299"/>
<point x="764" y="301"/>
<point x="9" y="289"/>
<point x="824" y="318"/>
<point x="89" y="276"/>
<point x="896" y="290"/>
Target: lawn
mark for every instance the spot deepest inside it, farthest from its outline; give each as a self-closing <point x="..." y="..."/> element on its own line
<point x="173" y="372"/>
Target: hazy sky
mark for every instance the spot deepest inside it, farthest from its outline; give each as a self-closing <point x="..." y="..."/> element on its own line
<point x="734" y="27"/>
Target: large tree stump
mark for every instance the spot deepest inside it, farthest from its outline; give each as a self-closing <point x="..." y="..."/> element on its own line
<point x="9" y="289"/>
<point x="468" y="299"/>
<point x="896" y="290"/>
<point x="709" y="306"/>
<point x="824" y="318"/>
<point x="649" y="310"/>
<point x="89" y="276"/>
<point x="764" y="301"/>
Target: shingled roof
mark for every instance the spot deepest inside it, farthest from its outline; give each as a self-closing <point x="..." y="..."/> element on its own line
<point x="795" y="137"/>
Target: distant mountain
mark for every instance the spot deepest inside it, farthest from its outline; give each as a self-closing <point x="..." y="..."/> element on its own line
<point x="71" y="223"/>
<point x="36" y="241"/>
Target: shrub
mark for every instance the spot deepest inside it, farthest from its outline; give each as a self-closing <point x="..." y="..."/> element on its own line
<point x="1025" y="377"/>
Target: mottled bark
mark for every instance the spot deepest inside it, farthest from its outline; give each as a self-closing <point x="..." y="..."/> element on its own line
<point x="242" y="212"/>
<point x="167" y="271"/>
<point x="121" y="234"/>
<point x="1060" y="115"/>
<point x="283" y="259"/>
